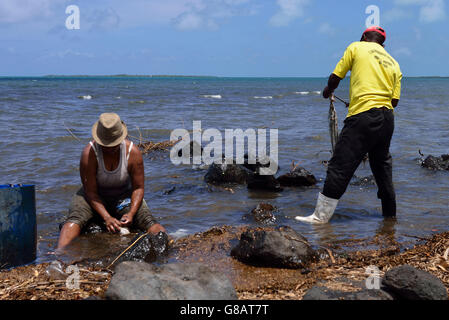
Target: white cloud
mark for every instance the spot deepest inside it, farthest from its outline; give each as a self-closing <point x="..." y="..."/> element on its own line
<point x="410" y="2"/>
<point x="404" y="51"/>
<point x="289" y="10"/>
<point x="12" y="11"/>
<point x="102" y="19"/>
<point x="418" y="33"/>
<point x="188" y="21"/>
<point x="107" y="14"/>
<point x="433" y="11"/>
<point x="430" y="10"/>
<point x="67" y="54"/>
<point x="396" y="14"/>
<point x="326" y="28"/>
<point x="209" y="13"/>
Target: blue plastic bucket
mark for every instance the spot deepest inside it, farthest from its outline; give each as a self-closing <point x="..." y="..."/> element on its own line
<point x="17" y="225"/>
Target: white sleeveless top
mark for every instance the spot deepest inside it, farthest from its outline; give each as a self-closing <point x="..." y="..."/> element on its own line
<point x="117" y="182"/>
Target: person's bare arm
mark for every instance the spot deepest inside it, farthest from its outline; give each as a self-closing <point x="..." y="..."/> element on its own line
<point x="332" y="84"/>
<point x="395" y="102"/>
<point x="136" y="171"/>
<point x="88" y="173"/>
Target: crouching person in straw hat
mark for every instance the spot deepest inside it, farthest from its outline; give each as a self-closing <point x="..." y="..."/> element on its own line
<point x="112" y="174"/>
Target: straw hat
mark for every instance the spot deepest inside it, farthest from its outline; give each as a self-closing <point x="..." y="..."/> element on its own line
<point x="109" y="130"/>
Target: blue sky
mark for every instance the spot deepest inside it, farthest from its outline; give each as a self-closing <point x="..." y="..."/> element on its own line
<point x="287" y="38"/>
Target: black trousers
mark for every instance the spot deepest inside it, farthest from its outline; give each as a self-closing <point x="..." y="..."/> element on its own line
<point x="368" y="132"/>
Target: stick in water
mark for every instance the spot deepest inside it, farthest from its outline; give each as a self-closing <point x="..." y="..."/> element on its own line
<point x="346" y="103"/>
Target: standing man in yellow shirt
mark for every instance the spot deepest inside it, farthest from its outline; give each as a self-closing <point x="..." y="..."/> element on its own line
<point x="374" y="92"/>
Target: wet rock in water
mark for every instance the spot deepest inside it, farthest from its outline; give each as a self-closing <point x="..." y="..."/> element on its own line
<point x="55" y="271"/>
<point x="436" y="163"/>
<point x="195" y="150"/>
<point x="265" y="183"/>
<point x="409" y="283"/>
<point x="363" y="182"/>
<point x="263" y="213"/>
<point x="279" y="248"/>
<point x="227" y="173"/>
<point x="299" y="177"/>
<point x="169" y="191"/>
<point x="178" y="281"/>
<point x="246" y="173"/>
<point x="256" y="163"/>
<point x="148" y="248"/>
<point x="323" y="293"/>
<point x="258" y="181"/>
<point x="94" y="227"/>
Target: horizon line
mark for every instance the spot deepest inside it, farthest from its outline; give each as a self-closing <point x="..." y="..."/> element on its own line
<point x="173" y="76"/>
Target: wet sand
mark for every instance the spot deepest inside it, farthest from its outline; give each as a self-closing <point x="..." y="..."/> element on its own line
<point x="337" y="269"/>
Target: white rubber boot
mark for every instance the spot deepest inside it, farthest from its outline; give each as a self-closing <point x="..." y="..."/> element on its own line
<point x="324" y="210"/>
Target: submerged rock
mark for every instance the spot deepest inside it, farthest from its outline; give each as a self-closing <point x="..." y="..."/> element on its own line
<point x="436" y="163"/>
<point x="196" y="150"/>
<point x="323" y="293"/>
<point x="364" y="181"/>
<point x="180" y="281"/>
<point x="264" y="162"/>
<point x="299" y="177"/>
<point x="94" y="227"/>
<point x="148" y="248"/>
<point x="263" y="213"/>
<point x="227" y="173"/>
<point x="409" y="283"/>
<point x="279" y="248"/>
<point x="265" y="183"/>
<point x="246" y="173"/>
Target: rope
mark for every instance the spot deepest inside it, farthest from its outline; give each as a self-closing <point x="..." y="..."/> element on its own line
<point x="346" y="103"/>
<point x="124" y="251"/>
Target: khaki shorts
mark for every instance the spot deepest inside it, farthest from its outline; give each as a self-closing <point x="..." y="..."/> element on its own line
<point x="81" y="213"/>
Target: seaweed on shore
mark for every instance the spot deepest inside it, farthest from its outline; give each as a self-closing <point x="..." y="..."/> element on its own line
<point x="336" y="270"/>
<point x="32" y="282"/>
<point x="150" y="146"/>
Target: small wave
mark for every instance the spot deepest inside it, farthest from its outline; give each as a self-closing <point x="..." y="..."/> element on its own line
<point x="317" y="92"/>
<point x="87" y="97"/>
<point x="138" y="102"/>
<point x="179" y="233"/>
<point x="303" y="93"/>
<point x="212" y="96"/>
<point x="9" y="99"/>
<point x="264" y="97"/>
<point x="69" y="188"/>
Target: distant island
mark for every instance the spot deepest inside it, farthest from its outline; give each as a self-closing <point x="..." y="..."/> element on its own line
<point x="56" y="76"/>
<point x="126" y="76"/>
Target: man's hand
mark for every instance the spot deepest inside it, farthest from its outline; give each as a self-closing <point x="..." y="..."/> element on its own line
<point x="156" y="228"/>
<point x="332" y="84"/>
<point x="112" y="224"/>
<point x="126" y="220"/>
<point x="326" y="93"/>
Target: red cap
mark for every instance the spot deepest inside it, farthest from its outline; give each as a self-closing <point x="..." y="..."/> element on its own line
<point x="378" y="30"/>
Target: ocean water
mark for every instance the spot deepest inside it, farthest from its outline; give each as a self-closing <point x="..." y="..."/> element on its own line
<point x="37" y="148"/>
